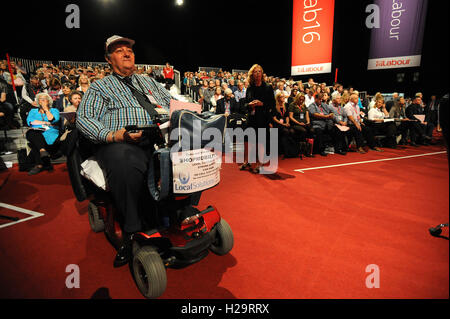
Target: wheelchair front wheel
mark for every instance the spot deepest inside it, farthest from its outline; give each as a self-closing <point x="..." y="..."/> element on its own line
<point x="149" y="272"/>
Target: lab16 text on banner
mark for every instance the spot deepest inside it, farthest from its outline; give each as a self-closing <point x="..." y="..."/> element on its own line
<point x="312" y="36"/>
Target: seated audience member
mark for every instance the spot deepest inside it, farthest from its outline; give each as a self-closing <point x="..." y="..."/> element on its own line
<point x="73" y="80"/>
<point x="29" y="92"/>
<point x="69" y="125"/>
<point x="280" y="88"/>
<point x="43" y="133"/>
<point x="280" y="117"/>
<point x="345" y="98"/>
<point x="309" y="97"/>
<point x="208" y="95"/>
<point x="391" y="103"/>
<point x="19" y="80"/>
<point x="376" y="117"/>
<point x="227" y="105"/>
<point x="326" y="98"/>
<point x="75" y="100"/>
<point x="232" y="86"/>
<point x="217" y="96"/>
<point x="83" y="83"/>
<point x="239" y="94"/>
<point x="322" y="122"/>
<point x="377" y="96"/>
<point x="360" y="105"/>
<point x="402" y="122"/>
<point x="340" y="118"/>
<point x="64" y="100"/>
<point x="54" y="89"/>
<point x="6" y="108"/>
<point x="291" y="98"/>
<point x="357" y="128"/>
<point x="417" y="108"/>
<point x="280" y="120"/>
<point x="299" y="119"/>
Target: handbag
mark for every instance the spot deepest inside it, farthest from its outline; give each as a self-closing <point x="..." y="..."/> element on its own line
<point x="187" y="129"/>
<point x="26" y="161"/>
<point x="236" y="120"/>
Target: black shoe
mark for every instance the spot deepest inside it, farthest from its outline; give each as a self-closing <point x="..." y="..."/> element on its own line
<point x="309" y="155"/>
<point x="323" y="154"/>
<point x="124" y="253"/>
<point x="35" y="170"/>
<point x="413" y="144"/>
<point x="340" y="152"/>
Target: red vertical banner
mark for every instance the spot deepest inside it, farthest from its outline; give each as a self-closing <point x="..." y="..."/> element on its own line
<point x="312" y="36"/>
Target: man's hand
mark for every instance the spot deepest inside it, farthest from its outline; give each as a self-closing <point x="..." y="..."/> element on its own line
<point x="256" y="103"/>
<point x="123" y="136"/>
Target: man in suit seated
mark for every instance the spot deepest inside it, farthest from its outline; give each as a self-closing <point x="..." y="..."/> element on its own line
<point x="417" y="108"/>
<point x="227" y="105"/>
<point x="232" y="110"/>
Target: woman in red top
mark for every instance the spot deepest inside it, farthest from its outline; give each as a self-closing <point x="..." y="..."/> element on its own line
<point x="168" y="74"/>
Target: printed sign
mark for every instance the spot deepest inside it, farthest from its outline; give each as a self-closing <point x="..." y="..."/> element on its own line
<point x="398" y="41"/>
<point x="195" y="170"/>
<point x="312" y="36"/>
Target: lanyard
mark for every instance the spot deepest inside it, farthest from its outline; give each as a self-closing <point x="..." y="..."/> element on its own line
<point x="39" y="90"/>
<point x="132" y="86"/>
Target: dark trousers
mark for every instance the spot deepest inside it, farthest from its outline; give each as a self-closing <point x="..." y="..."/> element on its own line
<point x="301" y="133"/>
<point x="126" y="167"/>
<point x="366" y="134"/>
<point x="417" y="131"/>
<point x="37" y="142"/>
<point x="336" y="136"/>
<point x="387" y="129"/>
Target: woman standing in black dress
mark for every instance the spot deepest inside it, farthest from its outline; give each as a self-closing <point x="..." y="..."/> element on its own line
<point x="259" y="102"/>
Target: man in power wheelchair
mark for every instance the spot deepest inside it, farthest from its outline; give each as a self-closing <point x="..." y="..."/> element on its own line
<point x="145" y="217"/>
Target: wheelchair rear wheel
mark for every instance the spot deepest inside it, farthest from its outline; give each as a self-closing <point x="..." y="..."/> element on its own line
<point x="97" y="224"/>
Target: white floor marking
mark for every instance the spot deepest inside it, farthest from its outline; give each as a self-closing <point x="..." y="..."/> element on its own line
<point x="302" y="170"/>
<point x="20" y="210"/>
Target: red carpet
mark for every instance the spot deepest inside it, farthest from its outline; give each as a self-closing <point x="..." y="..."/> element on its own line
<point x="297" y="235"/>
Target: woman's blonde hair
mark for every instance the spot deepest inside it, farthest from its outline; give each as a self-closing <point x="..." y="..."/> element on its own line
<point x="83" y="75"/>
<point x="345" y="98"/>
<point x="297" y="98"/>
<point x="277" y="98"/>
<point x="251" y="71"/>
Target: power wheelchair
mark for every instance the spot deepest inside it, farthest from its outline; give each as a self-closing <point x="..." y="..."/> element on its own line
<point x="181" y="235"/>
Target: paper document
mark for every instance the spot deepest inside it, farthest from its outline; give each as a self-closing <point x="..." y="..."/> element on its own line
<point x="342" y="128"/>
<point x="388" y="120"/>
<point x="178" y="105"/>
<point x="421" y="118"/>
